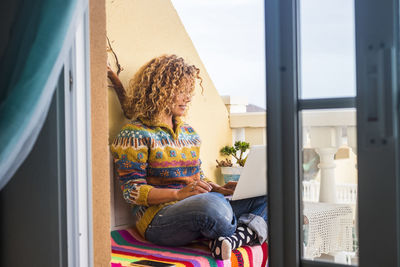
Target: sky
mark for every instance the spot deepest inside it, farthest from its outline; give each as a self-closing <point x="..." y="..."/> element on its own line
<point x="327" y="49"/>
<point x="229" y="37"/>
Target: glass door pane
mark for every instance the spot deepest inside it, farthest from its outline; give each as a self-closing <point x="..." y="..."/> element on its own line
<point x="313" y="136"/>
<point x="327" y="48"/>
<point x="328" y="160"/>
<point x="329" y="185"/>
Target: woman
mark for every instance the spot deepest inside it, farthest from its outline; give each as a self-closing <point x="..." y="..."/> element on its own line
<point x="156" y="157"/>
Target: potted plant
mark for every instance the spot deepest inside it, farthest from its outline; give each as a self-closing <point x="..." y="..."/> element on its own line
<point x="228" y="170"/>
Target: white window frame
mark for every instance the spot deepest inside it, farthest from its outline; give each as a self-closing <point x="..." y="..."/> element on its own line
<point x="78" y="144"/>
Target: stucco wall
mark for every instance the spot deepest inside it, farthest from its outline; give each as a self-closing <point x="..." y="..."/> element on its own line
<point x="100" y="151"/>
<point x="140" y="30"/>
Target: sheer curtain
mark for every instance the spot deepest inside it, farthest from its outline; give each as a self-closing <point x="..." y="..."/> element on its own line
<point x="40" y="35"/>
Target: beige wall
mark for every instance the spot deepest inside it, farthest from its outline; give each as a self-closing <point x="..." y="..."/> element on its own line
<point x="143" y="29"/>
<point x="256" y="135"/>
<point x="100" y="151"/>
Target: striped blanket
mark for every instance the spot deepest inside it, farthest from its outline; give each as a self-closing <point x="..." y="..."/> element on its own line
<point x="128" y="246"/>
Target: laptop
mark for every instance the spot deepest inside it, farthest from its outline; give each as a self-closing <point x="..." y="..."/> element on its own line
<point x="253" y="179"/>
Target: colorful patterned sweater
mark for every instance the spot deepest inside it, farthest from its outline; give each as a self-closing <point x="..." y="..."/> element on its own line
<point x="148" y="155"/>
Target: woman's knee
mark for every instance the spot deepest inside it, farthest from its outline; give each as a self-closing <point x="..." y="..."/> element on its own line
<point x="218" y="206"/>
<point x="217" y="215"/>
<point x="212" y="202"/>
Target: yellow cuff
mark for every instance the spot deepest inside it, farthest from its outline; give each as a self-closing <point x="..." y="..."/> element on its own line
<point x="143" y="193"/>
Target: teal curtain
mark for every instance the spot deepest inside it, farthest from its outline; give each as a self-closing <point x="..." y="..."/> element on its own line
<point x="40" y="35"/>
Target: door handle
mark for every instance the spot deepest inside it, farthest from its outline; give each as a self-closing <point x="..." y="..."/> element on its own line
<point x="380" y="94"/>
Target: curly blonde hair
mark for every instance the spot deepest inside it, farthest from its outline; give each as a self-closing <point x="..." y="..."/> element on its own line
<point x="153" y="89"/>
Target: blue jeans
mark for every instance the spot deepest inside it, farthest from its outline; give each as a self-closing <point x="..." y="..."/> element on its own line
<point x="207" y="215"/>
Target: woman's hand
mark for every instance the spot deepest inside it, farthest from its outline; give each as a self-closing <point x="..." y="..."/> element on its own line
<point x="164" y="195"/>
<point x="227" y="189"/>
<point x="194" y="188"/>
<point x="119" y="90"/>
<point x="112" y="76"/>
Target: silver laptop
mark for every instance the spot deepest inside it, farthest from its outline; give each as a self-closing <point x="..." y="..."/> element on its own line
<point x="253" y="179"/>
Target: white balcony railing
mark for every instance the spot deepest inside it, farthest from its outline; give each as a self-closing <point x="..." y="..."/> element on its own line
<point x="345" y="193"/>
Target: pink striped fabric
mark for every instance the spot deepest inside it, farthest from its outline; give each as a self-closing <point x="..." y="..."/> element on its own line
<point x="128" y="246"/>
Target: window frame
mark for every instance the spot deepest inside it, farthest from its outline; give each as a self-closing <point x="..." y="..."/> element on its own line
<point x="78" y="142"/>
<point x="376" y="23"/>
<point x="377" y="26"/>
<point x="282" y="136"/>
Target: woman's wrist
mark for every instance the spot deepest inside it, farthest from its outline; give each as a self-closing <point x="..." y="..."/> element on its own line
<point x="175" y="195"/>
<point x="214" y="186"/>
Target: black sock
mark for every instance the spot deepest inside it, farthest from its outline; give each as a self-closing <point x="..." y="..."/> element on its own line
<point x="221" y="248"/>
